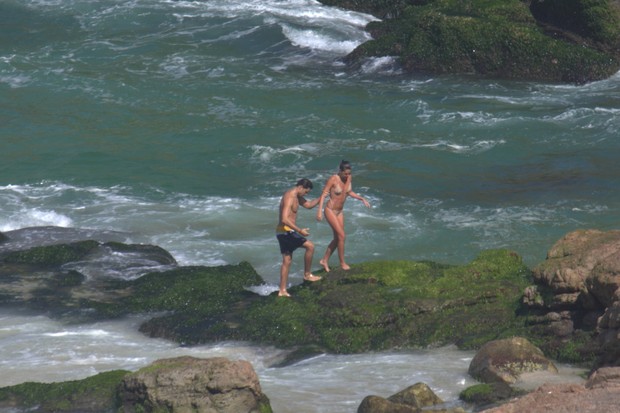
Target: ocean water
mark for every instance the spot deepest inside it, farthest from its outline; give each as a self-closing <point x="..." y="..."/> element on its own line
<point x="181" y="123"/>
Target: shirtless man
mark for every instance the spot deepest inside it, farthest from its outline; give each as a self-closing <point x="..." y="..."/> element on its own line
<point x="290" y="236"/>
<point x="338" y="187"/>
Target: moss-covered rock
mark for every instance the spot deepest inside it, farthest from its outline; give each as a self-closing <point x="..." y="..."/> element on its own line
<point x="374" y="306"/>
<point x="553" y="40"/>
<point x="51" y="255"/>
<point x="94" y="394"/>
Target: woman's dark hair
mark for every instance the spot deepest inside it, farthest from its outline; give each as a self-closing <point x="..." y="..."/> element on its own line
<point x="305" y="183"/>
<point x="345" y="165"/>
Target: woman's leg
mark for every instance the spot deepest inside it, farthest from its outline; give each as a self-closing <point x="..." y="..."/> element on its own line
<point x="336" y="221"/>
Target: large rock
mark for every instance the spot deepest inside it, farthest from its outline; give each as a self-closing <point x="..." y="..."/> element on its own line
<point x="553" y="40"/>
<point x="504" y="360"/>
<point x="583" y="262"/>
<point x="188" y="384"/>
<point x="578" y="294"/>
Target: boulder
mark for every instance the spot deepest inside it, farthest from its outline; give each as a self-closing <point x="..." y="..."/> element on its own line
<point x="504" y="360"/>
<point x="583" y="262"/>
<point x="419" y="395"/>
<point x="414" y="399"/>
<point x="376" y="404"/>
<point x="578" y="292"/>
<point x="188" y="384"/>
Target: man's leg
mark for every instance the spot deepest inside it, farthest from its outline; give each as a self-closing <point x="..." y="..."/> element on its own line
<point x="309" y="246"/>
<point x="284" y="270"/>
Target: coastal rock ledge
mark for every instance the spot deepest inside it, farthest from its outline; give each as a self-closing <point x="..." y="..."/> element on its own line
<point x="573" y="41"/>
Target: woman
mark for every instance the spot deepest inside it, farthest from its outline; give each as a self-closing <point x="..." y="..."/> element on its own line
<point x="338" y="187"/>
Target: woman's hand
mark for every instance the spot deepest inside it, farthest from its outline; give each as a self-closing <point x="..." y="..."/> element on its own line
<point x="319" y="215"/>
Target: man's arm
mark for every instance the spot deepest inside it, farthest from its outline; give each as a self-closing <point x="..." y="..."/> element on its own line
<point x="308" y="204"/>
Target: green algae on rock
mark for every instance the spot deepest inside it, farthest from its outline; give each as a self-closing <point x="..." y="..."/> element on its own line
<point x="94" y="394"/>
<point x="383" y="305"/>
<point x="511" y="39"/>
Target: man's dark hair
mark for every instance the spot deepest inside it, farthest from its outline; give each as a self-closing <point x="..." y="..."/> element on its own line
<point x="305" y="182"/>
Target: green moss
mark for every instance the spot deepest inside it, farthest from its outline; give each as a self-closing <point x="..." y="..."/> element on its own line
<point x="382" y="305"/>
<point x="96" y="393"/>
<point x="498" y="38"/>
<point x="476" y="392"/>
<point x="52" y="255"/>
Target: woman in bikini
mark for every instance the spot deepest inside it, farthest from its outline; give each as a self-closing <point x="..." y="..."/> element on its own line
<point x="338" y="187"/>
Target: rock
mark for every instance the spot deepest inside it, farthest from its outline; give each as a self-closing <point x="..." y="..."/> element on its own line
<point x="571" y="262"/>
<point x="504" y="360"/>
<point x="419" y="395"/>
<point x="604" y="378"/>
<point x="414" y="399"/>
<point x="580" y="281"/>
<point x="485" y="394"/>
<point x="3" y="238"/>
<point x="188" y="384"/>
<point x="601" y="393"/>
<point x="376" y="404"/>
<point x="94" y="394"/>
<point x="572" y="41"/>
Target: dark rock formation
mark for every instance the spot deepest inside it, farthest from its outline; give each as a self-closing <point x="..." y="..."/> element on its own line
<point x="572" y="41"/>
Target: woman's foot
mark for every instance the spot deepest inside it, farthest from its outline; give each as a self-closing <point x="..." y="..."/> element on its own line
<point x="345" y="266"/>
<point x="311" y="277"/>
<point x="323" y="262"/>
<point x="283" y="294"/>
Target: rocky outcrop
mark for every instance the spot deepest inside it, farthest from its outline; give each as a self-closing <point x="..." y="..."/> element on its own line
<point x="176" y="385"/>
<point x="505" y="360"/>
<point x="601" y="393"/>
<point x="572" y="41"/>
<point x="413" y="399"/>
<point x="188" y="384"/>
<point x="374" y="306"/>
<point x="576" y="298"/>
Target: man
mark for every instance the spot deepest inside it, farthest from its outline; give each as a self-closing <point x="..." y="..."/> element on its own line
<point x="290" y="236"/>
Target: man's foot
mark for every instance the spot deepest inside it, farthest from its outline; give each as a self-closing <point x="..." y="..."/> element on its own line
<point x="323" y="262"/>
<point x="311" y="277"/>
<point x="283" y="294"/>
<point x="345" y="267"/>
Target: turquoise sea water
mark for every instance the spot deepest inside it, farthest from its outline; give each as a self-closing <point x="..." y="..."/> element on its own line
<point x="180" y="123"/>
